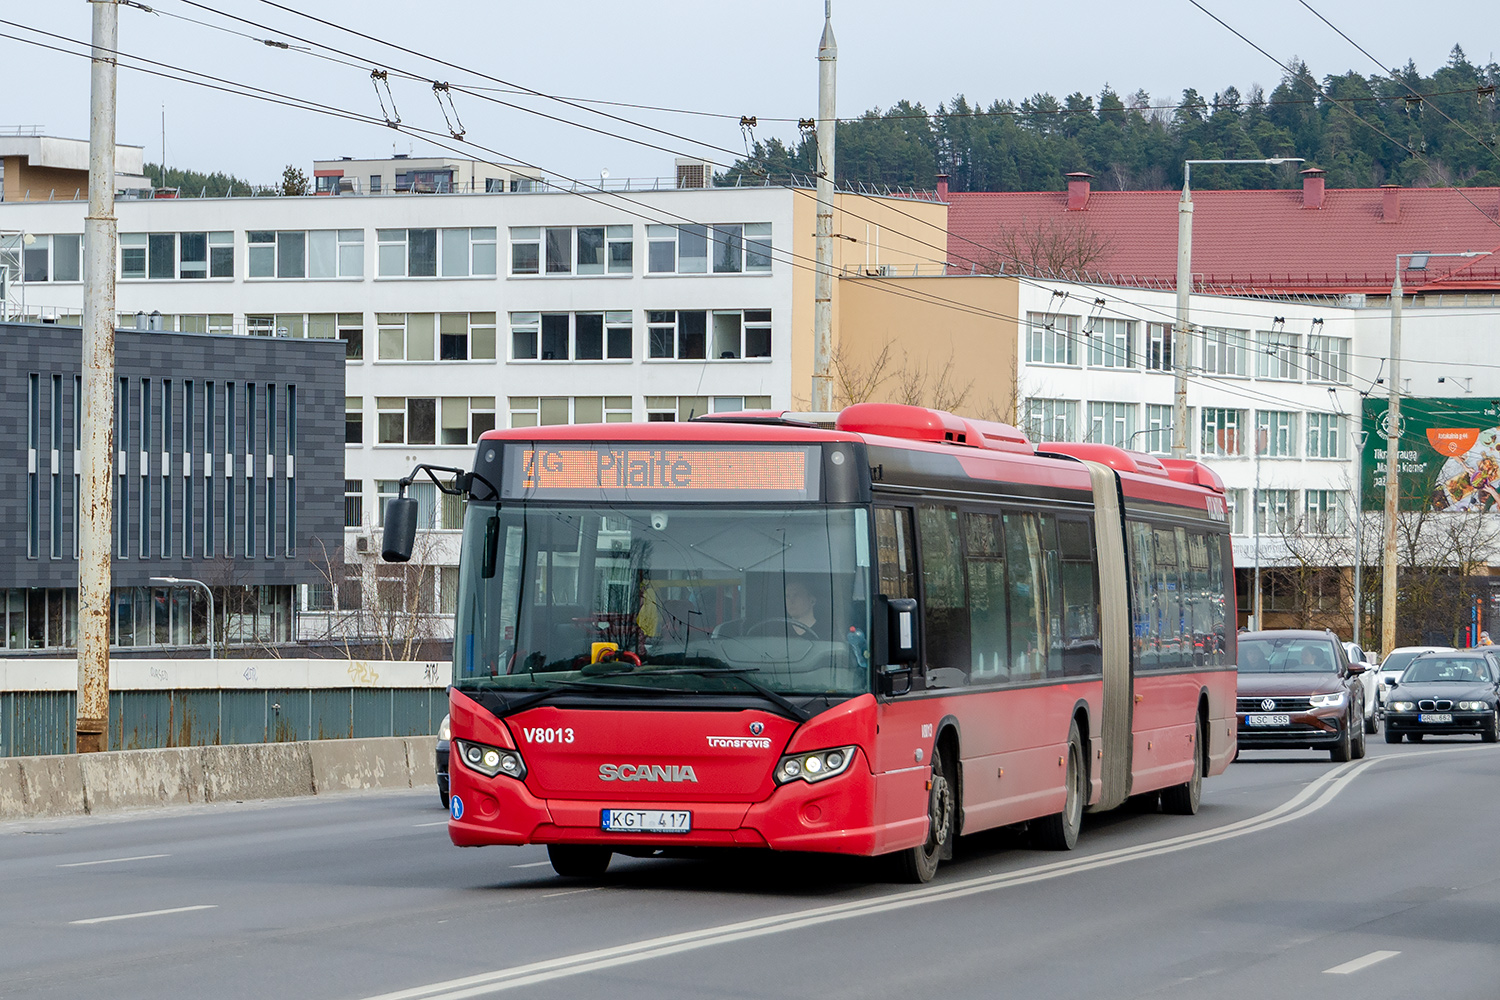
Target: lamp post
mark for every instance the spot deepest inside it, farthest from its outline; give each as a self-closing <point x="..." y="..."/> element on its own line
<point x="1392" y="432"/>
<point x="1184" y="286"/>
<point x="174" y="581"/>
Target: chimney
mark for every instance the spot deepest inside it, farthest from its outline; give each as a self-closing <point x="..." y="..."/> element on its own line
<point x="1078" y="190"/>
<point x="942" y="188"/>
<point x="1390" y="203"/>
<point x="1312" y="187"/>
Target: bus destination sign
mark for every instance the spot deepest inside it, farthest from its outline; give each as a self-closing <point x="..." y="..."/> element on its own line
<point x="642" y="471"/>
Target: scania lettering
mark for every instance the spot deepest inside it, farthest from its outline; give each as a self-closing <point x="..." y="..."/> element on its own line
<point x="870" y="635"/>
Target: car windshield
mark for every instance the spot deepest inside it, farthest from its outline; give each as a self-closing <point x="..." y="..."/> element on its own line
<point x="679" y="600"/>
<point x="1286" y="656"/>
<point x="1445" y="669"/>
<point x="1397" y="661"/>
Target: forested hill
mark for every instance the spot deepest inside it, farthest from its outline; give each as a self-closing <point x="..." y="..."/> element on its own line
<point x="1135" y="143"/>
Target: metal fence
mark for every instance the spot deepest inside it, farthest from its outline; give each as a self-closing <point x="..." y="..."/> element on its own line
<point x="34" y="723"/>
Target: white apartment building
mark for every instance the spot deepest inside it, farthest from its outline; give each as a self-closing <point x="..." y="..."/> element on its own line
<point x="467" y="311"/>
<point x="1274" y="391"/>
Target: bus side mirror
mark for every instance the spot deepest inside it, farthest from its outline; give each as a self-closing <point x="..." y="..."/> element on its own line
<point x="400" y="529"/>
<point x="903" y="635"/>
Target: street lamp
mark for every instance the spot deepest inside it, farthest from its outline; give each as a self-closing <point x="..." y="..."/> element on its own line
<point x="1184" y="286"/>
<point x="1392" y="434"/>
<point x="174" y="581"/>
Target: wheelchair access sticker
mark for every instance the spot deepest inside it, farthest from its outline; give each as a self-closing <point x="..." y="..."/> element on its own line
<point x="456" y="807"/>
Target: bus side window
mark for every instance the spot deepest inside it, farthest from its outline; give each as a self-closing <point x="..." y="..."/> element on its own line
<point x="1168" y="585"/>
<point x="989" y="631"/>
<point x="1221" y="594"/>
<point x="1080" y="597"/>
<point x="1052" y="570"/>
<point x="1028" y="597"/>
<point x="893" y="544"/>
<point x="946" y="599"/>
<point x="1143" y="609"/>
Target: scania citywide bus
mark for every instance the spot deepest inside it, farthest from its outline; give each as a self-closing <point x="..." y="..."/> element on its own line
<point x="868" y="638"/>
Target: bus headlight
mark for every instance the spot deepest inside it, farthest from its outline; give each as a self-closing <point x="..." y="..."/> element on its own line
<point x="815" y="766"/>
<point x="491" y="761"/>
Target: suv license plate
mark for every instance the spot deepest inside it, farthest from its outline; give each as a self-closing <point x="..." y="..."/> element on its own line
<point x="1435" y="717"/>
<point x="645" y="821"/>
<point x="1268" y="720"/>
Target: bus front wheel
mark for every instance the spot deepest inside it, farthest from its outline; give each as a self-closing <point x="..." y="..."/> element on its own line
<point x="578" y="860"/>
<point x="920" y="863"/>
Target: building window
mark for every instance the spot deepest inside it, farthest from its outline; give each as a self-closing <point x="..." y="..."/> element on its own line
<point x="164" y="256"/>
<point x="533" y="411"/>
<point x="1235" y="500"/>
<point x="1051" y="339"/>
<point x="406" y="421"/>
<point x="33" y="462"/>
<point x="1159" y="347"/>
<point x="1325" y="511"/>
<point x="210" y="405"/>
<point x="55" y="523"/>
<point x="52" y="258"/>
<point x="1329" y="359"/>
<point x="122" y="485"/>
<point x="1157" y="435"/>
<point x="717" y="335"/>
<point x="1052" y="419"/>
<point x="603" y="336"/>
<point x="1277" y="355"/>
<point x="466" y="337"/>
<point x="1323" y="435"/>
<point x="586" y="250"/>
<point x="1222" y="432"/>
<point x="351" y="327"/>
<point x="1273" y="511"/>
<point x="427" y="253"/>
<point x="424" y="493"/>
<point x="189" y="407"/>
<point x="1224" y="351"/>
<point x="464" y="418"/>
<point x="354" y="420"/>
<point x="1276" y="433"/>
<point x="1112" y="344"/>
<point x="731" y="248"/>
<point x="143" y="540"/>
<point x="1111" y="423"/>
<point x="318" y="253"/>
<point x="354" y="503"/>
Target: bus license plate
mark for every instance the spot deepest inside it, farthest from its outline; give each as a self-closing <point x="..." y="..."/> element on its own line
<point x="645" y="821"/>
<point x="1435" y="717"/>
<point x="1268" y="720"/>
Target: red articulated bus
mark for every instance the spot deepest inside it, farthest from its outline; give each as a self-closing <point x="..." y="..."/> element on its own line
<point x="869" y="638"/>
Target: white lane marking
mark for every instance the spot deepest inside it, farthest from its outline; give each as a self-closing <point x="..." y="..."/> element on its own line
<point x="1360" y="963"/>
<point x="570" y="892"/>
<point x="1309" y="800"/>
<point x="533" y="864"/>
<point x="114" y="861"/>
<point x="441" y="822"/>
<point x="145" y="913"/>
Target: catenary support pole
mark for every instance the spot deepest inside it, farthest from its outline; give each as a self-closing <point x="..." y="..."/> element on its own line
<point x="92" y="727"/>
<point x="1180" y="348"/>
<point x="822" y="378"/>
<point x="1392" y="476"/>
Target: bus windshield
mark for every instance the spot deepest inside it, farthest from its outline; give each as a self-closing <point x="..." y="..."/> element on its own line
<point x="703" y="599"/>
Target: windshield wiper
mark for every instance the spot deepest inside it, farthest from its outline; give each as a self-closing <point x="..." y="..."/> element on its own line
<point x="788" y="708"/>
<point x="510" y="707"/>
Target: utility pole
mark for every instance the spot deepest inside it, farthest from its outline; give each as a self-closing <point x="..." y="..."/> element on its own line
<point x="96" y="514"/>
<point x="822" y="379"/>
<point x="1180" y="328"/>
<point x="1392" y="476"/>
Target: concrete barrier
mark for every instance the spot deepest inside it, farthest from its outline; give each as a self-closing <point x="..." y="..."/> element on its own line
<point x="136" y="779"/>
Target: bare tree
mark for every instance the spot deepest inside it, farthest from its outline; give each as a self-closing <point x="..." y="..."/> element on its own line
<point x="914" y="381"/>
<point x="385" y="609"/>
<point x="1049" y="248"/>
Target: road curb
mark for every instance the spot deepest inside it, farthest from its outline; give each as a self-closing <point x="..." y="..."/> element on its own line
<point x="76" y="785"/>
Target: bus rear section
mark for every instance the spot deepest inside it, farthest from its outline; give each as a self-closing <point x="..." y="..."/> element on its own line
<point x="865" y="640"/>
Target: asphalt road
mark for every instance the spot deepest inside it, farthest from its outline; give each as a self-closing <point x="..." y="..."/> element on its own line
<point x="1372" y="879"/>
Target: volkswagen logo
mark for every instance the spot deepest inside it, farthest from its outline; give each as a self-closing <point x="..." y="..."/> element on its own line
<point x="1267" y="704"/>
<point x="756" y="728"/>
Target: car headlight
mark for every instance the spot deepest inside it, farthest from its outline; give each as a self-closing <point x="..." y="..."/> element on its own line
<point x="490" y="761"/>
<point x="817" y="765"/>
<point x="445" y="729"/>
<point x="1403" y="706"/>
<point x="1334" y="700"/>
<point x="1473" y="706"/>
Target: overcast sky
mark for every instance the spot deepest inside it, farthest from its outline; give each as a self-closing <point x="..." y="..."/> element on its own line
<point x="728" y="58"/>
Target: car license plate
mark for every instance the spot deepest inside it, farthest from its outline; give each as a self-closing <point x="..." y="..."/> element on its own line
<point x="1435" y="717"/>
<point x="645" y="821"/>
<point x="1268" y="720"/>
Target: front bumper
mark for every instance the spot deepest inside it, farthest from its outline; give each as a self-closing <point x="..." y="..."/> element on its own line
<point x="1409" y="722"/>
<point x="839" y="815"/>
<point x="1304" y="730"/>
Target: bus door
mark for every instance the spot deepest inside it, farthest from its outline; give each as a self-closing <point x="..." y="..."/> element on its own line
<point x="1115" y="633"/>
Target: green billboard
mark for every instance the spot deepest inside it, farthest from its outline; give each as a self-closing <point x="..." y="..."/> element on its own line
<point x="1449" y="454"/>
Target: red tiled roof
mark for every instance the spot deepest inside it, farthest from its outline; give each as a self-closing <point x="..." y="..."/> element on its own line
<point x="1253" y="240"/>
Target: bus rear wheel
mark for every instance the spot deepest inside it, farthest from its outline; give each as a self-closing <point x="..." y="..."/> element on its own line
<point x="1059" y="832"/>
<point x="918" y="864"/>
<point x="578" y="860"/>
<point x="1183" y="799"/>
